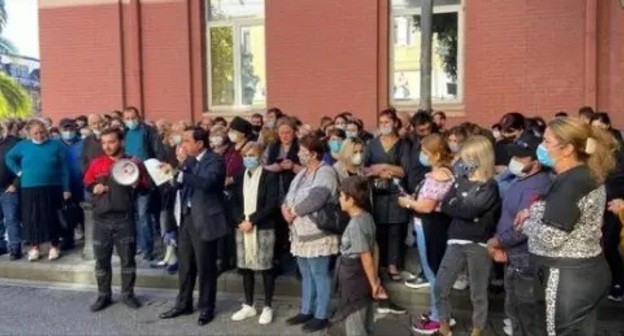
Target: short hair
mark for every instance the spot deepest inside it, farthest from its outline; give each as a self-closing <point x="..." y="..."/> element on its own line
<point x="357" y="122"/>
<point x="35" y="122"/>
<point x="421" y="118"/>
<point x="199" y="134"/>
<point x="441" y="114"/>
<point x="132" y="109"/>
<point x="586" y="112"/>
<point x="288" y="121"/>
<point x="219" y="120"/>
<point x="513" y="121"/>
<point x="256" y="115"/>
<point x="81" y="118"/>
<point x="313" y="144"/>
<point x="357" y="188"/>
<point x="278" y="113"/>
<point x="337" y="132"/>
<point x="113" y="131"/>
<point x="218" y="130"/>
<point x="561" y="114"/>
<point x="254" y="146"/>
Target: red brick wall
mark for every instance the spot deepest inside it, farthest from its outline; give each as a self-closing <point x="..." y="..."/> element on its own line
<point x="525" y="55"/>
<point x="322" y="57"/>
<point x="611" y="60"/>
<point x="80" y="60"/>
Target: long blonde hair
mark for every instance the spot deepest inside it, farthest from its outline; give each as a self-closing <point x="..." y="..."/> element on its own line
<point x="593" y="146"/>
<point x="347" y="151"/>
<point x="479" y="150"/>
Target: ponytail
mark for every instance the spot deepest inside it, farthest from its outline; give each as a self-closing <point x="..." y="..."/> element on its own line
<point x="600" y="150"/>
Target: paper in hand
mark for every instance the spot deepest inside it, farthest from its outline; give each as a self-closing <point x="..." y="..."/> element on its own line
<point x="158" y="175"/>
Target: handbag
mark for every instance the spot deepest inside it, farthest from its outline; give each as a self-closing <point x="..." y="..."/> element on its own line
<point x="67" y="215"/>
<point x="330" y="218"/>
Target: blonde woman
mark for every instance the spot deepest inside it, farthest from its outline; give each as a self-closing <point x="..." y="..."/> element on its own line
<point x="473" y="203"/>
<point x="564" y="228"/>
<point x="350" y="159"/>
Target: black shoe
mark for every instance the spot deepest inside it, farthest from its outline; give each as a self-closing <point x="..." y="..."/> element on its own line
<point x="299" y="319"/>
<point x="175" y="312"/>
<point x="387" y="307"/>
<point x="205" y="318"/>
<point x="132" y="302"/>
<point x="172" y="269"/>
<point x="315" y="325"/>
<point x="101" y="303"/>
<point x="148" y="256"/>
<point x="15" y="253"/>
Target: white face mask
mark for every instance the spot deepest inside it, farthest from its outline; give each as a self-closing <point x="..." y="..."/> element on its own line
<point x="517" y="168"/>
<point x="385" y="130"/>
<point x="352" y="135"/>
<point x="233" y="137"/>
<point x="356" y="160"/>
<point x="454" y="147"/>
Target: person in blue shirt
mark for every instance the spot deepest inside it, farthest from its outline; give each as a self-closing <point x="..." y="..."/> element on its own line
<point x="41" y="164"/>
<point x="143" y="142"/>
<point x="74" y="146"/>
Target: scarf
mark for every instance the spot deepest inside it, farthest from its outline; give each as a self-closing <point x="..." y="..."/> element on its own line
<point x="250" y="196"/>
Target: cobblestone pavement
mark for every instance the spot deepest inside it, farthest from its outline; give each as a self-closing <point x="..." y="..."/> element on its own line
<point x="45" y="309"/>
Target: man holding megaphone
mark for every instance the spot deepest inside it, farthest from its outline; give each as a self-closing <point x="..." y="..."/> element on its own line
<point x="115" y="180"/>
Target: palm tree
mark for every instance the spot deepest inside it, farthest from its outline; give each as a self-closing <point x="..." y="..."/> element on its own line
<point x="14" y="100"/>
<point x="6" y="46"/>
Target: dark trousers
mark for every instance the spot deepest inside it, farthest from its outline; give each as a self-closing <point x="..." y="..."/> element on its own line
<point x="611" y="242"/>
<point x="196" y="258"/>
<point x="121" y="234"/>
<point x="520" y="301"/>
<point x="391" y="240"/>
<point x="567" y="296"/>
<point x="249" y="281"/>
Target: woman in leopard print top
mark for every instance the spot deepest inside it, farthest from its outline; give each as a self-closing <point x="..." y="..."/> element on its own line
<point x="564" y="228"/>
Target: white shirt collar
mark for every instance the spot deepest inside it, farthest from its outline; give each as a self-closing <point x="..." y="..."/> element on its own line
<point x="201" y="155"/>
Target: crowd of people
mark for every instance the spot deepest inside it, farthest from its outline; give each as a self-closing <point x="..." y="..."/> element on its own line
<point x="535" y="204"/>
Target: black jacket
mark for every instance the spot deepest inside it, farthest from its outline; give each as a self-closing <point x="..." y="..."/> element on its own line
<point x="7" y="177"/>
<point x="267" y="204"/>
<point x="475" y="209"/>
<point x="91" y="148"/>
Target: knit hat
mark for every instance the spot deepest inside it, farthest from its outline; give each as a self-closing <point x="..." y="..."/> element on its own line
<point x="241" y="125"/>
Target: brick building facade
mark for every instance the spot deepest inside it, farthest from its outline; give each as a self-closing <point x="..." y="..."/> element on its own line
<point x="326" y="56"/>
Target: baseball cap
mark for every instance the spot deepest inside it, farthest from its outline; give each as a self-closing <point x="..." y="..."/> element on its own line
<point x="525" y="146"/>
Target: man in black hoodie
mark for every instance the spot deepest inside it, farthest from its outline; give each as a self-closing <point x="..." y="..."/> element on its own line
<point x="9" y="200"/>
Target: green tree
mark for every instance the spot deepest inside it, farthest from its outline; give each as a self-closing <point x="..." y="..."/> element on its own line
<point x="14" y="100"/>
<point x="222" y="65"/>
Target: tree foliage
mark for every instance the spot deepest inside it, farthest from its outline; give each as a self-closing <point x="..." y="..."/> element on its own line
<point x="14" y="100"/>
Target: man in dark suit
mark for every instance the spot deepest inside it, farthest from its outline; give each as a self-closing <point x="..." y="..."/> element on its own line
<point x="201" y="179"/>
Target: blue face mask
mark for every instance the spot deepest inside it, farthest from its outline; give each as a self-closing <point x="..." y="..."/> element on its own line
<point x="132" y="124"/>
<point x="335" y="145"/>
<point x="544" y="157"/>
<point x="68" y="136"/>
<point x="424" y="159"/>
<point x="462" y="168"/>
<point x="251" y="162"/>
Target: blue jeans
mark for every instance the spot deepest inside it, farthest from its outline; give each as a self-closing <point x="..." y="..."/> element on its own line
<point x="9" y="221"/>
<point x="431" y="277"/>
<point x="144" y="226"/>
<point x="316" y="286"/>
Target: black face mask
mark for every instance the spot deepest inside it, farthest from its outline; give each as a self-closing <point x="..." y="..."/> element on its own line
<point x="256" y="128"/>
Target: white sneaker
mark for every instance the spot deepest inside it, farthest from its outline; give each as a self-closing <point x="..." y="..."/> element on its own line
<point x="508" y="330"/>
<point x="244" y="313"/>
<point x="461" y="283"/>
<point x="33" y="254"/>
<point x="78" y="234"/>
<point x="507" y="322"/>
<point x="54" y="253"/>
<point x="267" y="316"/>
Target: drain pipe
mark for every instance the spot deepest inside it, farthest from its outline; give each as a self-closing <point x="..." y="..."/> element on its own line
<point x="591" y="53"/>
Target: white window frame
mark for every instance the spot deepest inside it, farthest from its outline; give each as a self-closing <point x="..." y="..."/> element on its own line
<point x="236" y="24"/>
<point x="459" y="9"/>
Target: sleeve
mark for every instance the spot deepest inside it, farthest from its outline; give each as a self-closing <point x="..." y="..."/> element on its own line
<point x="472" y="205"/>
<point x="90" y="176"/>
<point x="405" y="156"/>
<point x="325" y="185"/>
<point x="156" y="144"/>
<point x="434" y="190"/>
<point x="62" y="152"/>
<point x="234" y="164"/>
<point x="367" y="160"/>
<point x="212" y="176"/>
<point x="271" y="201"/>
<point x="358" y="239"/>
<point x="548" y="236"/>
<point x="13" y="159"/>
<point x="562" y="202"/>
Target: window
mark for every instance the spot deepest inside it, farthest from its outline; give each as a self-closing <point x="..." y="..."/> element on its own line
<point x="236" y="57"/>
<point x="447" y="72"/>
